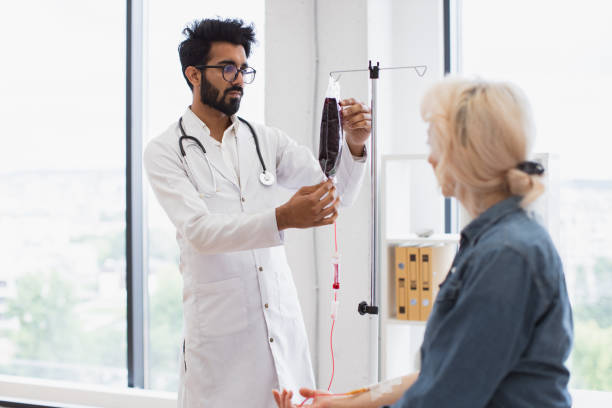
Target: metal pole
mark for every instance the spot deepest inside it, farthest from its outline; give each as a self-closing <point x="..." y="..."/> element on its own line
<point x="375" y="239"/>
<point x="135" y="277"/>
<point x="363" y="307"/>
<point x="375" y="193"/>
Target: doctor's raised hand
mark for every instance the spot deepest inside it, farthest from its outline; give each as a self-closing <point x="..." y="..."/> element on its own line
<point x="357" y="124"/>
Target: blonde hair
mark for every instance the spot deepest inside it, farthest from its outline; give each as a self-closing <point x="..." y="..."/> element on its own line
<point x="481" y="131"/>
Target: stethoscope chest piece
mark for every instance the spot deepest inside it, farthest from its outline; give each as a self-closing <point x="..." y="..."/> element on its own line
<point x="266" y="178"/>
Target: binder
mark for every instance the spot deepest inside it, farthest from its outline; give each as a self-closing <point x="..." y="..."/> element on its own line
<point x="413" y="276"/>
<point x="435" y="261"/>
<point x="400" y="284"/>
<point x="425" y="255"/>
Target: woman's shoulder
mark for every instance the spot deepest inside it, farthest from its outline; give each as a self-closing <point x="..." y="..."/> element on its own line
<point x="520" y="231"/>
<point x="530" y="242"/>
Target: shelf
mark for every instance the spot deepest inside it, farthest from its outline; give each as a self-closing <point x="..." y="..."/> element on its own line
<point x="411" y="239"/>
<point x="405" y="156"/>
<point x="417" y="323"/>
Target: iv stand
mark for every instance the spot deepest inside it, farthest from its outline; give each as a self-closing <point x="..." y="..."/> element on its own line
<point x="363" y="307"/>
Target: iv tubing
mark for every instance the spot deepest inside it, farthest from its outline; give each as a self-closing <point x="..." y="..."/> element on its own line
<point x="346" y="394"/>
<point x="335" y="237"/>
<point x="331" y="346"/>
<point x="336" y="286"/>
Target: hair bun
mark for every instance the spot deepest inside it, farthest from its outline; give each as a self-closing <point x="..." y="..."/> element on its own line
<point x="524" y="184"/>
<point x="519" y="182"/>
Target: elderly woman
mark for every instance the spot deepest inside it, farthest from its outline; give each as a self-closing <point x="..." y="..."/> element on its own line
<point x="501" y="327"/>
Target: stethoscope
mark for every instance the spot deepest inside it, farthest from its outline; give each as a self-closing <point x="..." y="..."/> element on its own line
<point x="266" y="178"/>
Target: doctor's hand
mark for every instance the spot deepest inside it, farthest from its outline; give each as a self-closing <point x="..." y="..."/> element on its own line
<point x="283" y="400"/>
<point x="311" y="206"/>
<point x="357" y="124"/>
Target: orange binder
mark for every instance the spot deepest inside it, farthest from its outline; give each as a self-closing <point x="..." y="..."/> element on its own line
<point x="426" y="297"/>
<point x="435" y="261"/>
<point x="413" y="275"/>
<point x="400" y="284"/>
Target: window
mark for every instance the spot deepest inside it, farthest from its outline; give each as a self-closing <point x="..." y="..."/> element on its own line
<point x="559" y="54"/>
<point x="62" y="183"/>
<point x="166" y="98"/>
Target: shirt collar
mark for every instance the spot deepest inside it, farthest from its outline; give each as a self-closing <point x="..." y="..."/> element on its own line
<point x="193" y="118"/>
<point x="488" y="218"/>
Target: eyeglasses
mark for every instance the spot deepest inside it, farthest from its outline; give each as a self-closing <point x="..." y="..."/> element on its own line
<point x="230" y="72"/>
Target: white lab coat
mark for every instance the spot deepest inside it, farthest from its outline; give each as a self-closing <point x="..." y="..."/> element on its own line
<point x="243" y="326"/>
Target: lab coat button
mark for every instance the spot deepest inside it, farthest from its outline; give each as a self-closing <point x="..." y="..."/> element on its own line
<point x="243" y="199"/>
<point x="266" y="305"/>
<point x="261" y="269"/>
<point x="271" y="340"/>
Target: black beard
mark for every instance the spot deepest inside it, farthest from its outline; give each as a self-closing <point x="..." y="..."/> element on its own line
<point x="210" y="96"/>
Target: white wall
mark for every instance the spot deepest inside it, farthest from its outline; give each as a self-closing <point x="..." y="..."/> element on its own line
<point x="405" y="33"/>
<point x="290" y="75"/>
<point x="342" y="33"/>
<point x="349" y="32"/>
<point x="408" y="33"/>
<point x="294" y="97"/>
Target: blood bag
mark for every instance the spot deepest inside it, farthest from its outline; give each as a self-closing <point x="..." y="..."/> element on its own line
<point x="332" y="139"/>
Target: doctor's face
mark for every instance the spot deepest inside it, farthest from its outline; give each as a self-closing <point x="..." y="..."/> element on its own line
<point x="215" y="90"/>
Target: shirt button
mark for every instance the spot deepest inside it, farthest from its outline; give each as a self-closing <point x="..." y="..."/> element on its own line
<point x="266" y="305"/>
<point x="271" y="340"/>
<point x="261" y="269"/>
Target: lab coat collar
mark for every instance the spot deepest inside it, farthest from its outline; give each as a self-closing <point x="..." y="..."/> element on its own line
<point x="195" y="127"/>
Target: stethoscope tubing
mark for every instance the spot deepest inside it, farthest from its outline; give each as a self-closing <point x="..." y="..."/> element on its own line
<point x="266" y="178"/>
<point x="256" y="139"/>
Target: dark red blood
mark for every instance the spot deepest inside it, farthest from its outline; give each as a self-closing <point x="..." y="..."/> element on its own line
<point x="330" y="145"/>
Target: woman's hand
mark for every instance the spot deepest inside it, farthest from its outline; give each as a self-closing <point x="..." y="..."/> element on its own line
<point x="321" y="399"/>
<point x="318" y="399"/>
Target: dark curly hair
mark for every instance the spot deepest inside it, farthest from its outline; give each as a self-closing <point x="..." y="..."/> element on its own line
<point x="201" y="34"/>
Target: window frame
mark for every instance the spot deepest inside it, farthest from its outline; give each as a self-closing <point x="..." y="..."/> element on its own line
<point x="136" y="286"/>
<point x="452" y="51"/>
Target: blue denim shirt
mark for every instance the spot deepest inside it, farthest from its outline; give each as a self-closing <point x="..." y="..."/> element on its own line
<point x="501" y="327"/>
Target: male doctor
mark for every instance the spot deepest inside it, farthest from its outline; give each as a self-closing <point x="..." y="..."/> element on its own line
<point x="218" y="181"/>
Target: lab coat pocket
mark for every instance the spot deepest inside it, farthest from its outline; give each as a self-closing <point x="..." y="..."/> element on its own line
<point x="221" y="308"/>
